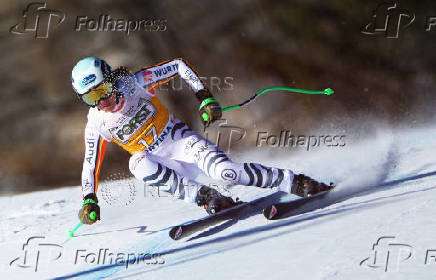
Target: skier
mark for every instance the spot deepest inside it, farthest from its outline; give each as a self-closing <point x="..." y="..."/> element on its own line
<point x="165" y="151"/>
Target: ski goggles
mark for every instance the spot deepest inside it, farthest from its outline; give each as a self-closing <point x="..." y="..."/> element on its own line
<point x="96" y="94"/>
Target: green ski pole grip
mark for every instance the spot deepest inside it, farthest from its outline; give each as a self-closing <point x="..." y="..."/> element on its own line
<point x="205" y="117"/>
<point x="93" y="215"/>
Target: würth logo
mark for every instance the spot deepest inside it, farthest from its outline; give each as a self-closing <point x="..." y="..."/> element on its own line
<point x="388" y="19"/>
<point x="37" y="18"/>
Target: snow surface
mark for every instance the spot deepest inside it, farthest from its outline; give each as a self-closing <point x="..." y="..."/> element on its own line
<point x="389" y="181"/>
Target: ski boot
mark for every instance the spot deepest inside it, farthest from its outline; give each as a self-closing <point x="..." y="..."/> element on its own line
<point x="305" y="186"/>
<point x="213" y="201"/>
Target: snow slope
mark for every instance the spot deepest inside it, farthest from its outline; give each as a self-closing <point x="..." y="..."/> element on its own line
<point x="394" y="174"/>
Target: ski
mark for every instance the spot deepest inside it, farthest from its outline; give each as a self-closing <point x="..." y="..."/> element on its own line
<point x="301" y="205"/>
<point x="236" y="212"/>
<point x="323" y="199"/>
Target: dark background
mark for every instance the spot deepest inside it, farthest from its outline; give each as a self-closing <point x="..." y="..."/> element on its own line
<point x="301" y="44"/>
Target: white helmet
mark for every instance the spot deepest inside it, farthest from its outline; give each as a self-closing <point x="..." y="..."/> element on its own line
<point x="88" y="74"/>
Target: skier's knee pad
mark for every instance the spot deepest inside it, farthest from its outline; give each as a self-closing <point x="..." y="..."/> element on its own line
<point x="227" y="171"/>
<point x="140" y="165"/>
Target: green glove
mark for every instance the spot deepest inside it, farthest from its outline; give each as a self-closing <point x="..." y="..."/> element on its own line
<point x="210" y="108"/>
<point x="90" y="212"/>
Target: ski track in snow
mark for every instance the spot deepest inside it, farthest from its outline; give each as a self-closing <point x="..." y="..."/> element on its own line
<point x="386" y="186"/>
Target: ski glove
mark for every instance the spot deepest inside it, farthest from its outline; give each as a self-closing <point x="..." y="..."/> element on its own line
<point x="90" y="211"/>
<point x="210" y="109"/>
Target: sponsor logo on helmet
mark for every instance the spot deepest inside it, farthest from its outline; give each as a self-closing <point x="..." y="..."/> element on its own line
<point x="87" y="80"/>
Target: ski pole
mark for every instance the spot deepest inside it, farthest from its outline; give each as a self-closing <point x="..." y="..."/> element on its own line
<point x="71" y="232"/>
<point x="92" y="216"/>
<point x="327" y="91"/>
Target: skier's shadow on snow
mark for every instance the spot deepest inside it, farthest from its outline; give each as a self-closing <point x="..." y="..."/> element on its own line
<point x="321" y="203"/>
<point x="344" y="193"/>
<point x="276" y="224"/>
<point x="264" y="201"/>
<point x="294" y="222"/>
<point x="308" y="216"/>
<point x="312" y="216"/>
<point x="409" y="178"/>
<point x="141" y="229"/>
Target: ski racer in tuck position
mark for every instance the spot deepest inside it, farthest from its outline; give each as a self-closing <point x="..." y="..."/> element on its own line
<point x="165" y="152"/>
